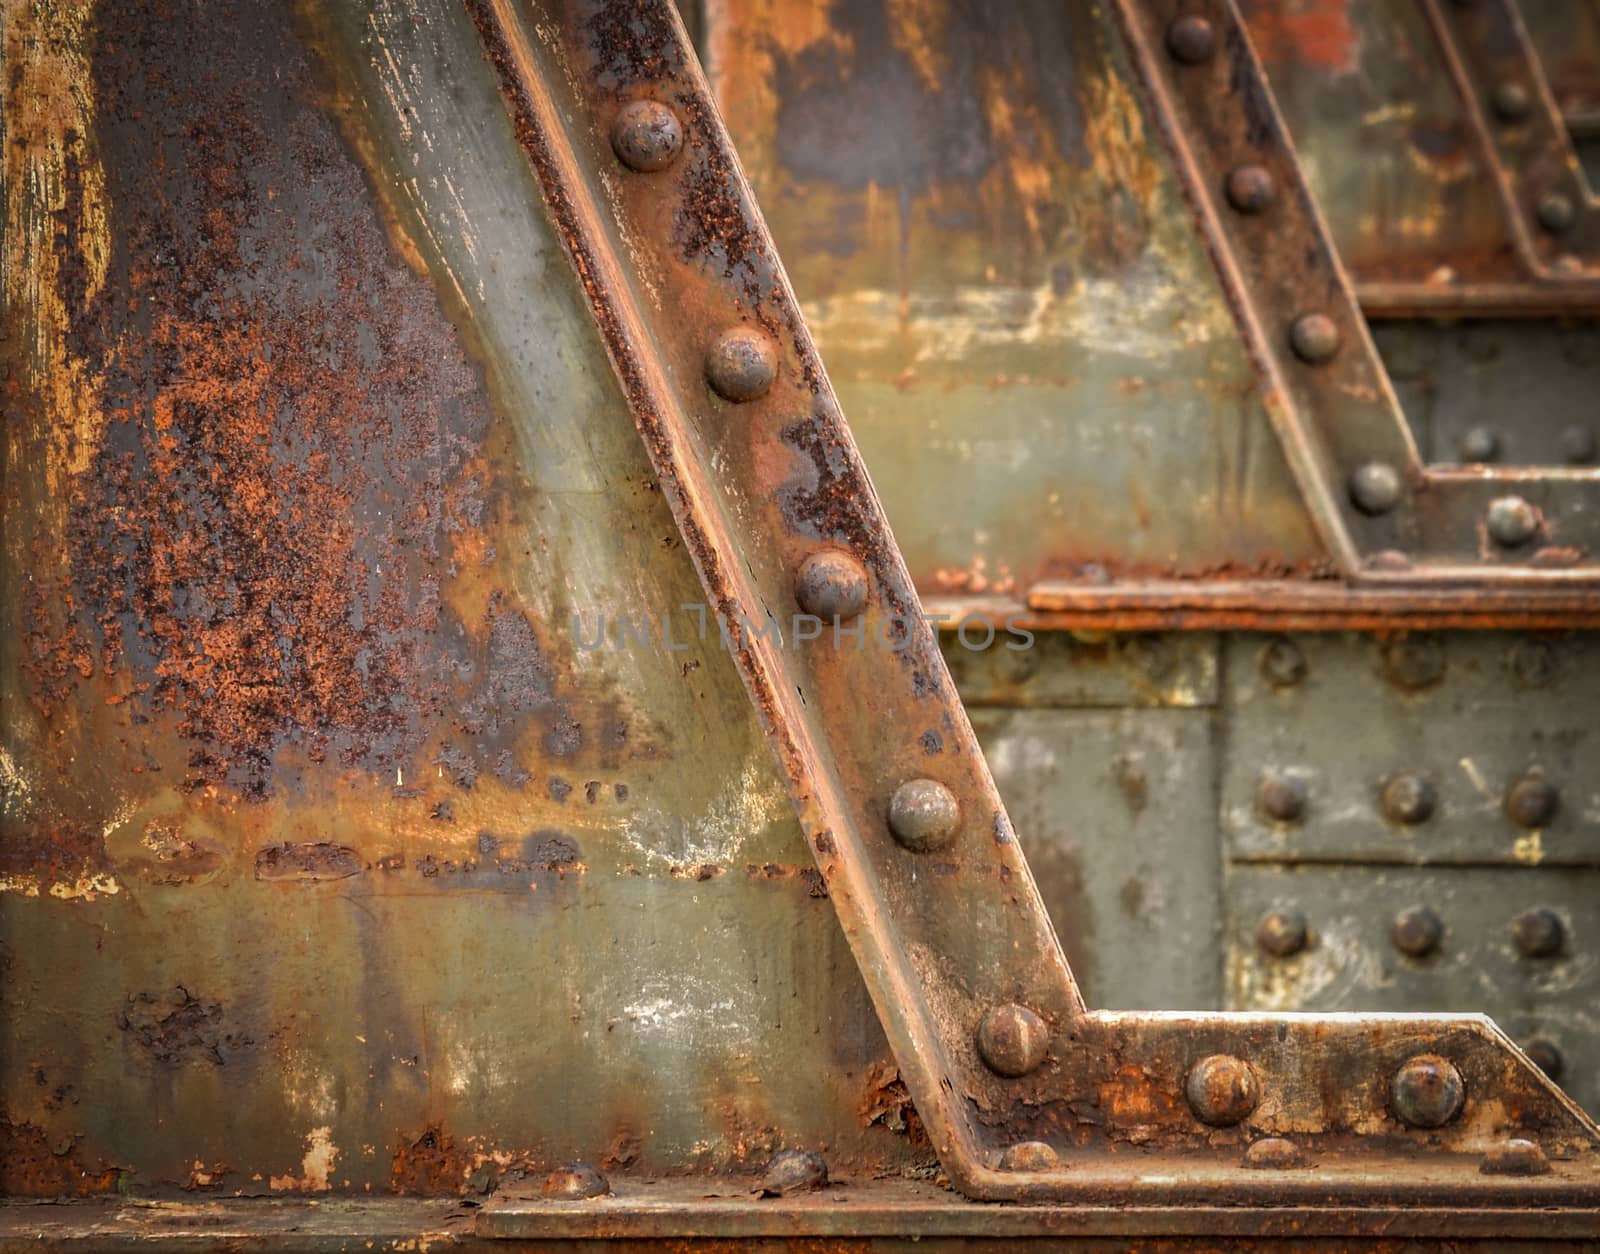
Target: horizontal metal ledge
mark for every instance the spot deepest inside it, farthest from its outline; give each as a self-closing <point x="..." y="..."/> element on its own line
<point x="1531" y="298"/>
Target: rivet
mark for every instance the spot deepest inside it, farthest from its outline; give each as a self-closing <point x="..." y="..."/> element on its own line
<point x="742" y="363"/>
<point x="831" y="585"/>
<point x="1314" y="337"/>
<point x="1578" y="445"/>
<point x="1409" y="799"/>
<point x="576" y="1180"/>
<point x="1251" y="189"/>
<point x="1511" y="100"/>
<point x="1222" y="1090"/>
<point x="1012" y="1040"/>
<point x="1273" y="1153"/>
<point x="1029" y="1156"/>
<point x="1283" y="933"/>
<point x="1427" y="1091"/>
<point x="646" y="136"/>
<point x="1532" y="801"/>
<point x="794" y="1171"/>
<point x="1533" y="663"/>
<point x="1282" y="798"/>
<point x="1283" y="665"/>
<point x="1514" y="1157"/>
<point x="1538" y="933"/>
<point x="1191" y="40"/>
<point x="1556" y="212"/>
<point x="924" y="815"/>
<point x="1546" y="1056"/>
<point x="1414" y="662"/>
<point x="1479" y="444"/>
<point x="1375" y="488"/>
<point x="1417" y="931"/>
<point x="1512" y="521"/>
<point x="1015" y="666"/>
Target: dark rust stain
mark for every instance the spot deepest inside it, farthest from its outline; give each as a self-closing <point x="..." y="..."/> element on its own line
<point x="307" y="862"/>
<point x="887" y="1103"/>
<point x="177" y="1028"/>
<point x="32" y="1165"/>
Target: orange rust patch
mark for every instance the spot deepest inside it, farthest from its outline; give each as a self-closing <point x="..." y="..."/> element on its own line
<point x="1315" y="33"/>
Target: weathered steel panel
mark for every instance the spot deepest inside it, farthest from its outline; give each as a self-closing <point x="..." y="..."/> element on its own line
<point x="1087" y="669"/>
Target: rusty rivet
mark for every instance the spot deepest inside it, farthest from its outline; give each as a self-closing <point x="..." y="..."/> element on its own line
<point x="1427" y="1091"/>
<point x="1315" y="338"/>
<point x="1012" y="1040"/>
<point x="1532" y="663"/>
<point x="576" y="1180"/>
<point x="923" y="815"/>
<point x="1414" y="662"/>
<point x="1222" y="1090"/>
<point x="1283" y="933"/>
<point x="1546" y="1056"/>
<point x="1514" y="1157"/>
<point x="1538" y="933"/>
<point x="1532" y="801"/>
<point x="646" y="136"/>
<point x="1479" y="444"/>
<point x="1511" y="100"/>
<point x="1191" y="40"/>
<point x="1512" y="521"/>
<point x="1409" y="799"/>
<point x="742" y="363"/>
<point x="831" y="585"/>
<point x="1273" y="1153"/>
<point x="1556" y="212"/>
<point x="1417" y="931"/>
<point x="794" y="1171"/>
<point x="1376" y="488"/>
<point x="1283" y="665"/>
<point x="1282" y="798"/>
<point x="1029" y="1156"/>
<point x="1578" y="446"/>
<point x="1251" y="189"/>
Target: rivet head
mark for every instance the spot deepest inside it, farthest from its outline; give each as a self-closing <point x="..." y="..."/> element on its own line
<point x="1251" y="189"/>
<point x="1512" y="521"/>
<point x="831" y="586"/>
<point x="742" y="363"/>
<point x="1191" y="40"/>
<point x="1511" y="100"/>
<point x="1273" y="1153"/>
<point x="1479" y="444"/>
<point x="924" y="815"/>
<point x="1556" y="212"/>
<point x="1283" y="665"/>
<point x="1532" y="801"/>
<point x="1417" y="931"/>
<point x="1514" y="1157"/>
<point x="1029" y="1156"/>
<point x="1578" y="445"/>
<point x="646" y="136"/>
<point x="1414" y="662"/>
<point x="1409" y="799"/>
<point x="794" y="1171"/>
<point x="1283" y="933"/>
<point x="1012" y="1040"/>
<point x="1222" y="1090"/>
<point x="1427" y="1091"/>
<point x="1546" y="1056"/>
<point x="1282" y="798"/>
<point x="576" y="1180"/>
<point x="1315" y="338"/>
<point x="1538" y="933"/>
<point x="1532" y="663"/>
<point x="1375" y="488"/>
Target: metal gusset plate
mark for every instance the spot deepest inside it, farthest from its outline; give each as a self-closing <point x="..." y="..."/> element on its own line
<point x="1023" y="1092"/>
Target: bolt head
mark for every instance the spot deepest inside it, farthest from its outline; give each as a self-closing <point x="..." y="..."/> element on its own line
<point x="1514" y="1157"/>
<point x="1479" y="444"/>
<point x="1283" y="933"/>
<point x="1578" y="445"/>
<point x="1222" y="1090"/>
<point x="1427" y="1091"/>
<point x="1376" y="488"/>
<point x="1417" y="931"/>
<point x="1533" y="801"/>
<point x="1029" y="1156"/>
<point x="1409" y="799"/>
<point x="1511" y="101"/>
<point x="1282" y="798"/>
<point x="1556" y="212"/>
<point x="831" y="585"/>
<point x="794" y="1171"/>
<point x="924" y="815"/>
<point x="1512" y="521"/>
<point x="1251" y="189"/>
<point x="742" y="363"/>
<point x="1191" y="40"/>
<point x="1414" y="662"/>
<point x="1538" y="933"/>
<point x="646" y="136"/>
<point x="1283" y="665"/>
<point x="1012" y="1040"/>
<point x="576" y="1180"/>
<point x="1315" y="338"/>
<point x="1546" y="1056"/>
<point x="1273" y="1153"/>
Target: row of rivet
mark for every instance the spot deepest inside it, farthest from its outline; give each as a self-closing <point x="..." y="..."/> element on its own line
<point x="1414" y="663"/>
<point x="1426" y="1092"/>
<point x="1480" y="445"/>
<point x="1531" y="801"/>
<point x="1417" y="931"/>
<point x="1512" y="102"/>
